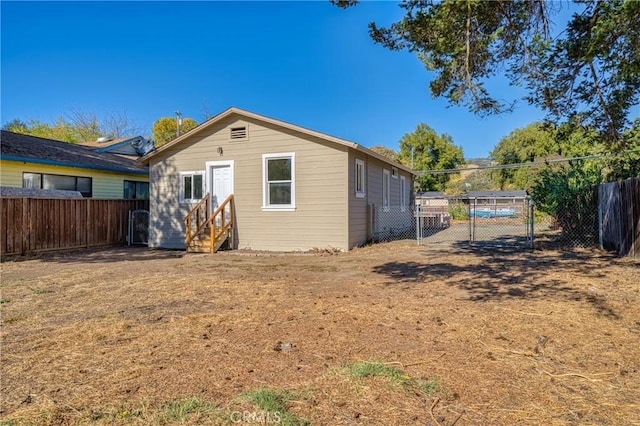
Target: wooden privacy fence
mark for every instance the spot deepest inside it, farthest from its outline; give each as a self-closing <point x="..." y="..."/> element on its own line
<point x="40" y="224"/>
<point x="619" y="211"/>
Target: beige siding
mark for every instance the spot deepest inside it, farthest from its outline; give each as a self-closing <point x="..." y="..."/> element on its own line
<point x="358" y="211"/>
<point x="105" y="184"/>
<point x="320" y="219"/>
<point x="374" y="179"/>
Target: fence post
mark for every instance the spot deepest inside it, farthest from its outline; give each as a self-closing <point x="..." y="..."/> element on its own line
<point x="532" y="218"/>
<point x="86" y="233"/>
<point x="472" y="222"/>
<point x="373" y="223"/>
<point x="418" y="237"/>
<point x="600" y="230"/>
<point x="469" y="217"/>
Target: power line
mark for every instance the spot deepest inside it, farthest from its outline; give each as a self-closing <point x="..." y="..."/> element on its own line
<point x="518" y="165"/>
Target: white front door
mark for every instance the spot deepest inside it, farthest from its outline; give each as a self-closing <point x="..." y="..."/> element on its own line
<point x="219" y="181"/>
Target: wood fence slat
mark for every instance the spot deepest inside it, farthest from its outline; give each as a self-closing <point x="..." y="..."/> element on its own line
<point x="40" y="224"/>
<point x="5" y="225"/>
<point x="620" y="219"/>
<point x="11" y="226"/>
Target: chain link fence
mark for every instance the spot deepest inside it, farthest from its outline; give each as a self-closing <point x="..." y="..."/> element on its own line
<point x="393" y="223"/>
<point x="582" y="231"/>
<point x="481" y="222"/>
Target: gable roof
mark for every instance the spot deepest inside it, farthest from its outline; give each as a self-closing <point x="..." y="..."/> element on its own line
<point x="32" y="149"/>
<point x="251" y="115"/>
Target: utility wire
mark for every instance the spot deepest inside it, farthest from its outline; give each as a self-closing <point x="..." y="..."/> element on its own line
<point x="517" y="165"/>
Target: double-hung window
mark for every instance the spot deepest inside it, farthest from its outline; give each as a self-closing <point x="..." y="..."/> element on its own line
<point x="191" y="186"/>
<point x="279" y="181"/>
<point x="360" y="179"/>
<point x="386" y="194"/>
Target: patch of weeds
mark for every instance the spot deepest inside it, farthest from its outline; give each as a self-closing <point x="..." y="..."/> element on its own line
<point x="372" y="369"/>
<point x="3" y="300"/>
<point x="13" y="319"/>
<point x="395" y="375"/>
<point x="186" y="409"/>
<point x="431" y="386"/>
<point x="42" y="291"/>
<point x="8" y="422"/>
<point x="274" y="406"/>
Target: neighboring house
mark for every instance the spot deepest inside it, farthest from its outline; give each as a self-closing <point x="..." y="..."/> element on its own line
<point x="432" y="199"/>
<point x="497" y="203"/>
<point x="37" y="163"/>
<point x="434" y="208"/>
<point x="294" y="188"/>
<point x="498" y="197"/>
<point x="134" y="147"/>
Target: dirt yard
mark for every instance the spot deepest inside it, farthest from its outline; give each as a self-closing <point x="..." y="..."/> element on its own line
<point x="391" y="334"/>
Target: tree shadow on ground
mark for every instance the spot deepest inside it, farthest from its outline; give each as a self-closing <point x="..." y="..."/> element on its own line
<point x="99" y="255"/>
<point x="499" y="273"/>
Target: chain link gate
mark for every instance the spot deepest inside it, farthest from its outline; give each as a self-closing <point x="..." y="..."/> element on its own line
<point x="465" y="221"/>
<point x="138" y="227"/>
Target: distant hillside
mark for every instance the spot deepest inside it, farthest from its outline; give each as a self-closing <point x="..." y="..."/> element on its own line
<point x="480" y="162"/>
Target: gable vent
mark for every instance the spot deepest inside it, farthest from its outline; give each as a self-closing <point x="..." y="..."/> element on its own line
<point x="239" y="132"/>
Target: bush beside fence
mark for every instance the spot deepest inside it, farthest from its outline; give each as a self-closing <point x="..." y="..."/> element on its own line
<point x="43" y="224"/>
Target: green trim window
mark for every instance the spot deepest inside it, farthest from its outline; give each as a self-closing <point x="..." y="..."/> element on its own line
<point x="137" y="190"/>
<point x="84" y="185"/>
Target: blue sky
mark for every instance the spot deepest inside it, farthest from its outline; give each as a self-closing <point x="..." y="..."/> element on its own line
<point x="308" y="63"/>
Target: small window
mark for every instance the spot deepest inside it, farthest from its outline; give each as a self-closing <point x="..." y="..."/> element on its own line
<point x="191" y="186"/>
<point x="61" y="182"/>
<point x="32" y="180"/>
<point x="386" y="195"/>
<point x="136" y="190"/>
<point x="239" y="132"/>
<point x="360" y="179"/>
<point x="394" y="172"/>
<point x="279" y="191"/>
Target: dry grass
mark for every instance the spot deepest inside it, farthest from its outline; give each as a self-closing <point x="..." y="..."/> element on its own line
<point x="136" y="336"/>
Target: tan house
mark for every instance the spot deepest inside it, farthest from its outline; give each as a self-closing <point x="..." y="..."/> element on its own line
<point x="291" y="188"/>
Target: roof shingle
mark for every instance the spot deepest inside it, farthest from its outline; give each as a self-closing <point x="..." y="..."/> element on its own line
<point x="19" y="147"/>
